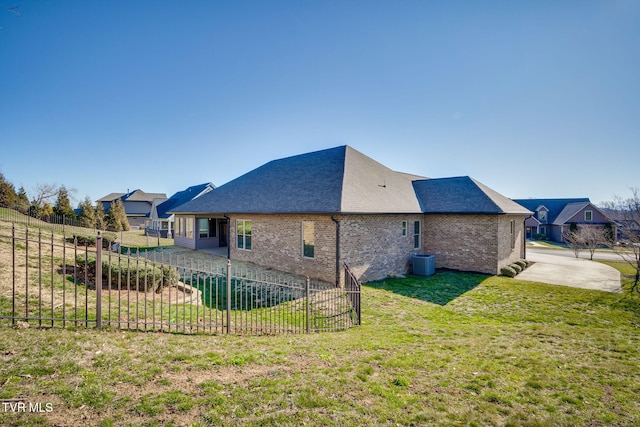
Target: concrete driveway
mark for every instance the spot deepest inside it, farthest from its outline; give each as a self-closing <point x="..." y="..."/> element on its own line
<point x="576" y="272"/>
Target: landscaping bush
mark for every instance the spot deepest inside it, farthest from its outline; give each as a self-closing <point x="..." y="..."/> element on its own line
<point x="522" y="263"/>
<point x="141" y="277"/>
<point x="516" y="267"/>
<point x="83" y="240"/>
<point x="508" y="271"/>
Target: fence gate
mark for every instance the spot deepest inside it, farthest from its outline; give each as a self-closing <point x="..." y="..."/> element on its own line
<point x="52" y="280"/>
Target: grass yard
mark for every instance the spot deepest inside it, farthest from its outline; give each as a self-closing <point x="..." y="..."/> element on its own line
<point x="451" y="349"/>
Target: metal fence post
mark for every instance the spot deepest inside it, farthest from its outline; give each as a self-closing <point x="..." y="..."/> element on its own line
<point x="228" y="296"/>
<point x="307" y="295"/>
<point x="99" y="281"/>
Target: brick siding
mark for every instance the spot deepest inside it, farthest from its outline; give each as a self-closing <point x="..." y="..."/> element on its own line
<point x="480" y="243"/>
<point x="373" y="245"/>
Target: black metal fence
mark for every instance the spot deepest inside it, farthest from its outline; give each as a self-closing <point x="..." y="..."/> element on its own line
<point x="50" y="280"/>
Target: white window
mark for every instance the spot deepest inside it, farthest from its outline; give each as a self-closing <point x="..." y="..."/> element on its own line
<point x="184" y="227"/>
<point x="308" y="239"/>
<point x="588" y="215"/>
<point x="404" y="228"/>
<point x="206" y="227"/>
<point x="542" y="215"/>
<point x="243" y="228"/>
<point x="416" y="235"/>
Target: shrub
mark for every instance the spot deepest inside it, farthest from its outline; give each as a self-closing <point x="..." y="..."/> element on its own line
<point x="141" y="277"/>
<point x="83" y="240"/>
<point x="508" y="271"/>
<point x="516" y="267"/>
<point x="522" y="263"/>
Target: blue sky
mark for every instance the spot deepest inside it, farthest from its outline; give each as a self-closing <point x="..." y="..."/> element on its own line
<point x="533" y="98"/>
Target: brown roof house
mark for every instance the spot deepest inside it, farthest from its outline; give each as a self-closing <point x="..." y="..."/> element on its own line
<point x="308" y="214"/>
<point x="137" y="205"/>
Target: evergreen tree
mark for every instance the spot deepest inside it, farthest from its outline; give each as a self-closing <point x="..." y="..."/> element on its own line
<point x="46" y="211"/>
<point x="22" y="203"/>
<point x="8" y="194"/>
<point x="117" y="217"/>
<point x="87" y="215"/>
<point x="63" y="204"/>
<point x="101" y="219"/>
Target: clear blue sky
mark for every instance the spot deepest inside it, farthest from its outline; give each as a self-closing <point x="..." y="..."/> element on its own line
<point x="533" y="98"/>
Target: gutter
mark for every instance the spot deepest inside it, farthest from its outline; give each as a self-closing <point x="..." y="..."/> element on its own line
<point x="333" y="218"/>
<point x="524" y="241"/>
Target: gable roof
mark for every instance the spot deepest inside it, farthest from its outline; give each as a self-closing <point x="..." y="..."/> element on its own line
<point x="463" y="195"/>
<point x="343" y="180"/>
<point x="111" y="197"/>
<point x="569" y="212"/>
<point x="555" y="206"/>
<point x="180" y="198"/>
<point x="133" y="196"/>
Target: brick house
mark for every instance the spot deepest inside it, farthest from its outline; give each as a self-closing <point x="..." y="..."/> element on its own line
<point x="553" y="218"/>
<point x="309" y="213"/>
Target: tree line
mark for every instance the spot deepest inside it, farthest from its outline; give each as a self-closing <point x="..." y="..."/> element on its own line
<point x="40" y="206"/>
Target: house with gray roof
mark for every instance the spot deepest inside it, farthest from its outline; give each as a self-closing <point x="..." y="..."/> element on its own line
<point x="308" y="214"/>
<point x="553" y="218"/>
<point x="160" y="221"/>
<point x="137" y="204"/>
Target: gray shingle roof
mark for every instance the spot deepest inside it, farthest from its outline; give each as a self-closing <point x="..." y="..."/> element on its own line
<point x="463" y="195"/>
<point x="343" y="180"/>
<point x="555" y="206"/>
<point x="180" y="198"/>
<point x="569" y="211"/>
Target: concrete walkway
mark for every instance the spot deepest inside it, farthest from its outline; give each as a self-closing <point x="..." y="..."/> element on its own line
<point x="576" y="272"/>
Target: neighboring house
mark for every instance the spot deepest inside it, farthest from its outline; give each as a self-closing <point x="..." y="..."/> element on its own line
<point x="160" y="221"/>
<point x="308" y="214"/>
<point x="553" y="218"/>
<point x="137" y="205"/>
<point x="627" y="229"/>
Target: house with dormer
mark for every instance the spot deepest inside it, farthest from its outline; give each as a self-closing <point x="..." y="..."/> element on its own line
<point x="310" y="213"/>
<point x="552" y="219"/>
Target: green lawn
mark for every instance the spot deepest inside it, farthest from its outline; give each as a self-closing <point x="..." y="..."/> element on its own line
<point x="451" y="349"/>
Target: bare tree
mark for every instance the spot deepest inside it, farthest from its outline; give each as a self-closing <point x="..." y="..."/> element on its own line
<point x="44" y="193"/>
<point x="628" y="247"/>
<point x="593" y="236"/>
<point x="575" y="241"/>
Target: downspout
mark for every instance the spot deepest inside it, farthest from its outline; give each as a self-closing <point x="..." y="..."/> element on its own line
<point x="333" y="218"/>
<point x="228" y="235"/>
<point x="524" y="241"/>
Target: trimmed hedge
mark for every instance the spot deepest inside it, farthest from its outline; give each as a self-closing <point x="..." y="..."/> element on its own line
<point x="508" y="271"/>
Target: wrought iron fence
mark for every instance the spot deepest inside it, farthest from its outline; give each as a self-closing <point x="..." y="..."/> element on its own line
<point x="51" y="280"/>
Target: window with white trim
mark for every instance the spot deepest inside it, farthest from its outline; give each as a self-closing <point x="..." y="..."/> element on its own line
<point x="206" y="227"/>
<point x="416" y="235"/>
<point x="184" y="227"/>
<point x="588" y="215"/>
<point x="404" y="228"/>
<point x="243" y="232"/>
